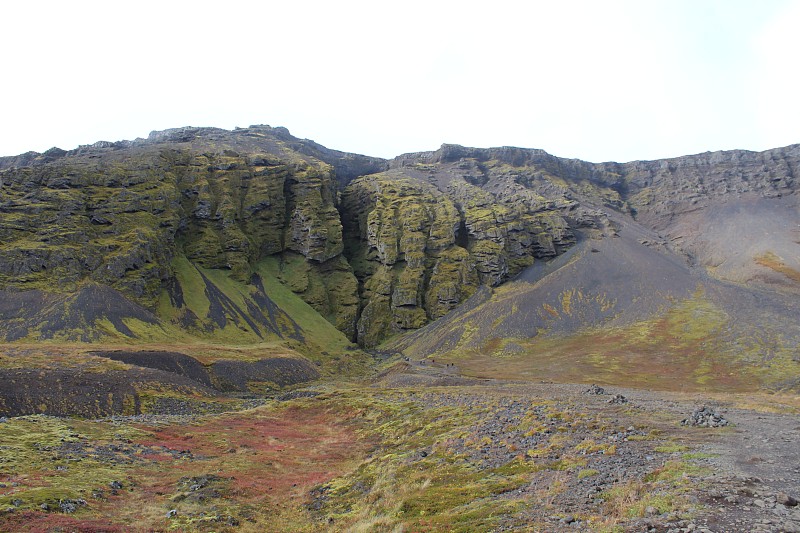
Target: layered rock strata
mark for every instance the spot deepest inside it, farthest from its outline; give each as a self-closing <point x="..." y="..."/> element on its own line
<point x="377" y="247"/>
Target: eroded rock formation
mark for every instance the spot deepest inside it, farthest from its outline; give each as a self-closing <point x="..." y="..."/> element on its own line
<point x="377" y="247"/>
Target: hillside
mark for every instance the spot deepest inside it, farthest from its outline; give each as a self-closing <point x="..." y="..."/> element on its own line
<point x="313" y="340"/>
<point x="683" y="276"/>
<point x="194" y="233"/>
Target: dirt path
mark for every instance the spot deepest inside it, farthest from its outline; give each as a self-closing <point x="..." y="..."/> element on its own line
<point x="759" y="465"/>
<point x="751" y="468"/>
<point x="755" y="464"/>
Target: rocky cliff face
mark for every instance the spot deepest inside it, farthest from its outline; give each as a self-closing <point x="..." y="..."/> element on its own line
<point x="402" y="242"/>
<point x="423" y="237"/>
<point x="667" y="187"/>
<point x="119" y="214"/>
<point x="377" y="247"/>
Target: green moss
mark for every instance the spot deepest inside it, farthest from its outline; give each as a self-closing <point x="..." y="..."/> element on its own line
<point x="192" y="286"/>
<point x="321" y="333"/>
<point x="329" y="287"/>
<point x="587" y="472"/>
<point x="32" y="452"/>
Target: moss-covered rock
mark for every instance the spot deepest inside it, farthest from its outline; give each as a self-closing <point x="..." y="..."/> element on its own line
<point x="329" y="287"/>
<point x="376" y="247"/>
<point x="421" y="239"/>
<point x="398" y="229"/>
<point x="224" y="200"/>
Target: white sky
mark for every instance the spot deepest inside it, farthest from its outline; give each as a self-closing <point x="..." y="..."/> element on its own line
<point x="597" y="80"/>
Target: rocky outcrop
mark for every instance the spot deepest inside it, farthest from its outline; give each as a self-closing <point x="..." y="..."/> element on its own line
<point x="377" y="247"/>
<point x="118" y="214"/>
<point x="659" y="190"/>
<point x="402" y="236"/>
<point x="423" y="237"/>
<point x="237" y="209"/>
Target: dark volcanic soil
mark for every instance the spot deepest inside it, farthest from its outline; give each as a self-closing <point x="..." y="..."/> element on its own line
<point x="71" y="392"/>
<point x="223" y="375"/>
<point x="90" y="389"/>
<point x="174" y="362"/>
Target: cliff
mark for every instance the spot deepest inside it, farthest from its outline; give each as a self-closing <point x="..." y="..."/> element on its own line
<point x="188" y="225"/>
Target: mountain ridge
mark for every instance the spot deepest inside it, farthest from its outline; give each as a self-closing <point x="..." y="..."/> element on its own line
<point x="195" y="300"/>
<point x="378" y="247"/>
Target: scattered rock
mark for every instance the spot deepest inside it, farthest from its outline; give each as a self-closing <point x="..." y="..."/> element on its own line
<point x="116" y="485"/>
<point x="200" y="488"/>
<point x="293" y="395"/>
<point x="618" y="399"/>
<point x="594" y="389"/>
<point x="790" y="527"/>
<point x="70" y="506"/>
<point x="705" y="417"/>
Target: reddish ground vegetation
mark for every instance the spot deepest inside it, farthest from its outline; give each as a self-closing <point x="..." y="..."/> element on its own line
<point x="235" y="471"/>
<point x="40" y="522"/>
<point x="264" y="457"/>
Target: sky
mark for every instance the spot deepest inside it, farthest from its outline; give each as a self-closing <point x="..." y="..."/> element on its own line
<point x="599" y="80"/>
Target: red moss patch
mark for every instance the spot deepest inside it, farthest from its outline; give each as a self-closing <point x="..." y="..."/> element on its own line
<point x="41" y="522"/>
<point x="266" y="456"/>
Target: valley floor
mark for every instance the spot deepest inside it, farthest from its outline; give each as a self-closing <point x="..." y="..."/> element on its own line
<point x="417" y="448"/>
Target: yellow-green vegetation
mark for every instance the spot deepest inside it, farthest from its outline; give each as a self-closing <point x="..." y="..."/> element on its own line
<point x="587" y="472"/>
<point x="693" y="345"/>
<point x="590" y="446"/>
<point x="430" y="470"/>
<point x="330" y="288"/>
<point x="664" y="490"/>
<point x="39" y="466"/>
<point x="67" y="357"/>
<point x="671" y="448"/>
<point x="772" y="261"/>
<point x="352" y="458"/>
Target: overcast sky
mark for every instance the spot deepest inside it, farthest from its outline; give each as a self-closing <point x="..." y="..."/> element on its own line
<point x="597" y="80"/>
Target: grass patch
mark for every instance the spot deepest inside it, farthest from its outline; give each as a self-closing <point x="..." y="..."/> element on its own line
<point x="773" y="262"/>
<point x="41" y="464"/>
<point x="587" y="472"/>
<point x="676" y="470"/>
<point x="671" y="448"/>
<point x="687" y="348"/>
